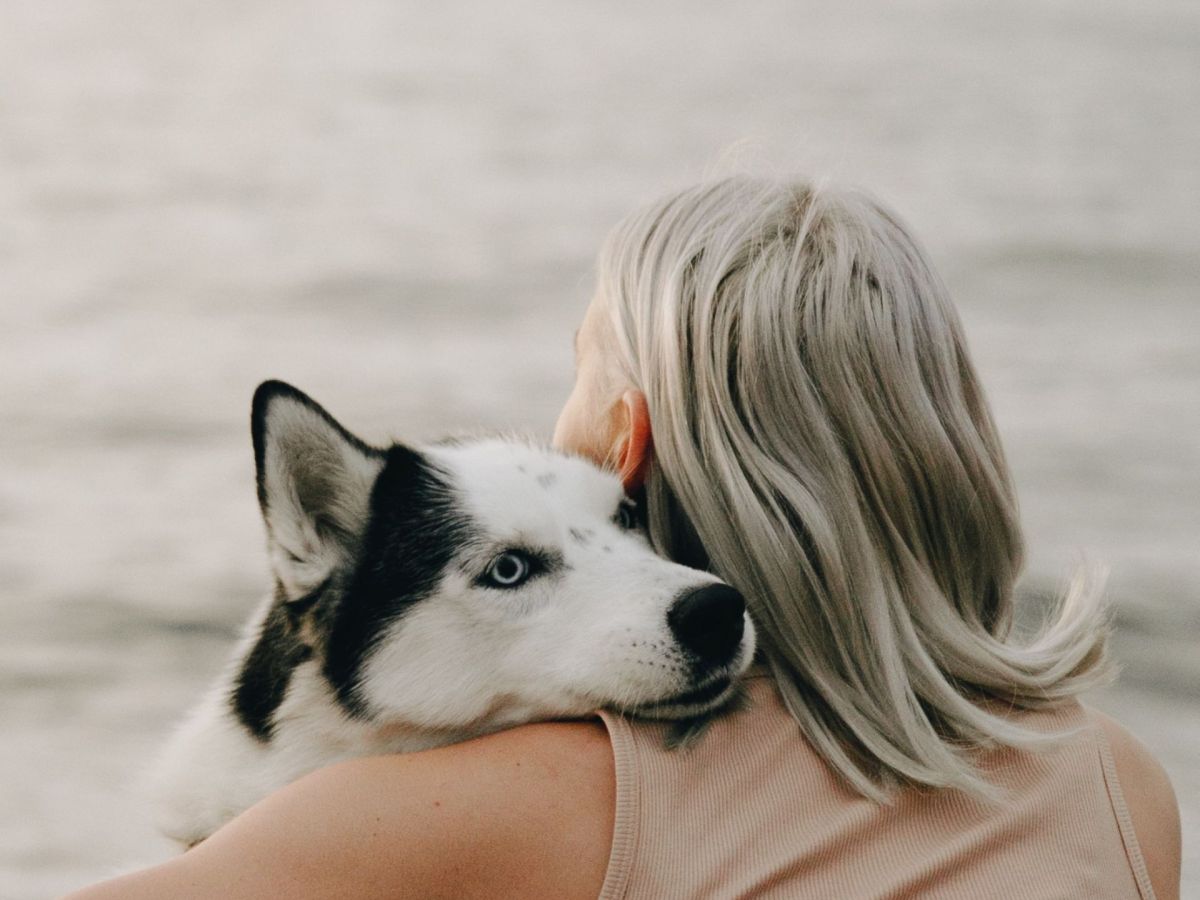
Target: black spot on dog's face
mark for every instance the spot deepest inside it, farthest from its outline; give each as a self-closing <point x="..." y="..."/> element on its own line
<point x="414" y="532"/>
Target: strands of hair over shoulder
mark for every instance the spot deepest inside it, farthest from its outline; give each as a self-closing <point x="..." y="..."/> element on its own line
<point x="822" y="442"/>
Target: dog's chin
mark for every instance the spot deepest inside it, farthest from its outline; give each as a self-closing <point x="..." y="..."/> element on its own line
<point x="705" y="699"/>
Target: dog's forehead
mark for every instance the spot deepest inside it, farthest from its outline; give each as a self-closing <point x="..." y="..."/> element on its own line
<point x="513" y="486"/>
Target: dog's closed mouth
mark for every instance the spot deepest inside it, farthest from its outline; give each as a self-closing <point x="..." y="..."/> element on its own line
<point x="701" y="696"/>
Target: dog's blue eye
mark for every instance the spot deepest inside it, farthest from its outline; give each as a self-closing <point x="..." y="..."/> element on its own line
<point x="509" y="570"/>
<point x="627" y="515"/>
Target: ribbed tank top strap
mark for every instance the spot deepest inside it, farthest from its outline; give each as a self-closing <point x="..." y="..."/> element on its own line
<point x="628" y="812"/>
<point x="1133" y="850"/>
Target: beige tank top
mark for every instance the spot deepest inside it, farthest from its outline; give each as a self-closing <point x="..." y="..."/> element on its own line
<point x="752" y="811"/>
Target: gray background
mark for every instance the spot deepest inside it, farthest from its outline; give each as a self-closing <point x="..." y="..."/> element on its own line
<point x="395" y="205"/>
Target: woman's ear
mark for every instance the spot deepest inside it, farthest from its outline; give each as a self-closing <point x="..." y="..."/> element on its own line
<point x="636" y="442"/>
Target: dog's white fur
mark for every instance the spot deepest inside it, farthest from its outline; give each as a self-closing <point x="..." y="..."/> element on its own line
<point x="464" y="661"/>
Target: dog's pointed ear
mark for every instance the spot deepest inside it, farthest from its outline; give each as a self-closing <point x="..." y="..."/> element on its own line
<point x="314" y="485"/>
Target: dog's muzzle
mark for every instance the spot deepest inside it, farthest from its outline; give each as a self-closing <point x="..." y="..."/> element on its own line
<point x="709" y="624"/>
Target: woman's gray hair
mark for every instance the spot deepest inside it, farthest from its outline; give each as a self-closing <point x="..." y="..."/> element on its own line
<point x="822" y="443"/>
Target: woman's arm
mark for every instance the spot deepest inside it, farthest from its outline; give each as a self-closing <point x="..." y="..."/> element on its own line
<point x="523" y="813"/>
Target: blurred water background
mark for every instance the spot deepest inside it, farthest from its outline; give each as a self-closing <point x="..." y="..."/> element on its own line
<point x="395" y="205"/>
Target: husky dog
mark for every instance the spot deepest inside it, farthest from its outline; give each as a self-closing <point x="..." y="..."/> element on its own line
<point x="429" y="595"/>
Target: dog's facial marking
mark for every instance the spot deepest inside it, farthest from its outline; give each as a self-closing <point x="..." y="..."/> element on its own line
<point x="580" y="536"/>
<point x="263" y="679"/>
<point x="415" y="532"/>
<point x="547" y="479"/>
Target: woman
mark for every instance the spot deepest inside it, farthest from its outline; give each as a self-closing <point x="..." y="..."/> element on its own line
<point x="780" y="374"/>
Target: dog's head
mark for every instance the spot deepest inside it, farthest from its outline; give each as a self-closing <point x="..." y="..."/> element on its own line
<point x="466" y="586"/>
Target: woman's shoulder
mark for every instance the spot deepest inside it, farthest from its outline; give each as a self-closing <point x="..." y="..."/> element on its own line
<point x="1143" y="787"/>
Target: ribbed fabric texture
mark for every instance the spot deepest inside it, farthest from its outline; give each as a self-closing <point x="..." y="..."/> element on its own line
<point x="752" y="811"/>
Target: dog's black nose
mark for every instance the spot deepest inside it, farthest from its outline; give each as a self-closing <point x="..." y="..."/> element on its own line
<point x="709" y="622"/>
